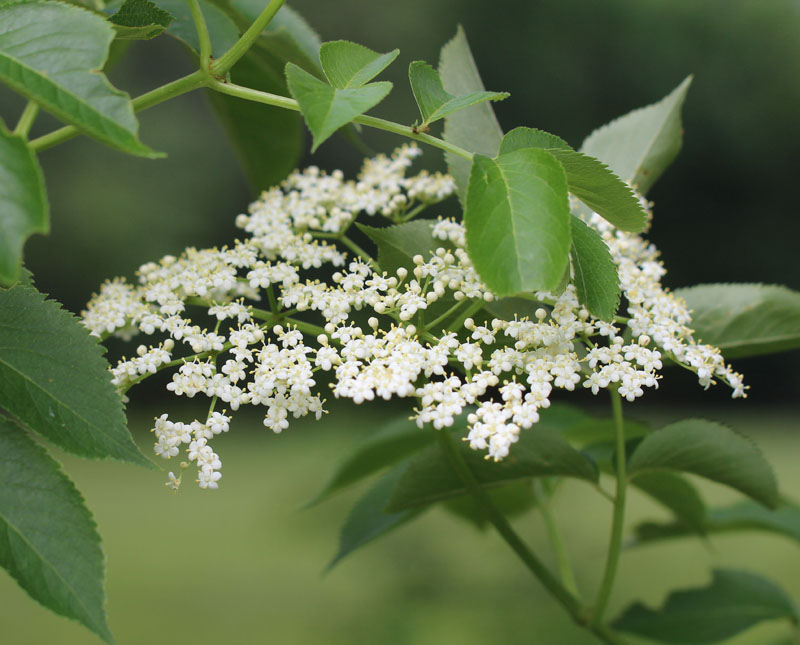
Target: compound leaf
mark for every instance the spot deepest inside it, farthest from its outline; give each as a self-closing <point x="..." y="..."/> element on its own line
<point x="595" y="272"/>
<point x="140" y="20"/>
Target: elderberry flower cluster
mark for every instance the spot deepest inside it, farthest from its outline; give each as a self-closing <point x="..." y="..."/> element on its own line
<point x="253" y="324"/>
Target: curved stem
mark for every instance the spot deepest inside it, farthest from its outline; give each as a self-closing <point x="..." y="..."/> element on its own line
<point x="26" y="119"/>
<point x="142" y="102"/>
<point x="222" y="65"/>
<point x="498" y="520"/>
<point x="559" y="549"/>
<point x="203" y="37"/>
<point x="370" y="121"/>
<point x="615" y="542"/>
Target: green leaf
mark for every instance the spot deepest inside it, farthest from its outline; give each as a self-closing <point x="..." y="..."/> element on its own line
<point x="511" y="500"/>
<point x="732" y="603"/>
<point x="523" y="137"/>
<point x="221" y="27"/>
<point x="291" y="29"/>
<point x="602" y="191"/>
<point x="368" y="520"/>
<point x="349" y="65"/>
<point x="710" y="450"/>
<point x="518" y="222"/>
<point x="595" y="272"/>
<point x="48" y="539"/>
<point x="397" y="245"/>
<point x="744" y="516"/>
<point x="393" y="442"/>
<point x="50" y="52"/>
<point x="677" y="494"/>
<point x="589" y="431"/>
<point x="745" y="319"/>
<point x="140" y="20"/>
<point x="640" y="146"/>
<point x="54" y="379"/>
<point x="434" y="101"/>
<point x="475" y="129"/>
<point x="325" y="108"/>
<point x="429" y="477"/>
<point x="23" y="203"/>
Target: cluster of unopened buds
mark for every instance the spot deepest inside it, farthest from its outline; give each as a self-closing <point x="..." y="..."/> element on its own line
<point x="242" y="325"/>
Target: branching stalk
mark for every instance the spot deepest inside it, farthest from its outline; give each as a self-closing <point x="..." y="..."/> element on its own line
<point x="222" y="65"/>
<point x="615" y="542"/>
<point x="203" y="37"/>
<point x="26" y="119"/>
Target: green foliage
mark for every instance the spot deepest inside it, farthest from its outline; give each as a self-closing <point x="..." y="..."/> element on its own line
<point x="393" y="442"/>
<point x="368" y="520"/>
<point x="23" y="203"/>
<point x="59" y="72"/>
<point x="523" y="137"/>
<point x="732" y="603"/>
<point x="397" y="245"/>
<point x="518" y="222"/>
<point x="43" y="349"/>
<point x="745" y="319"/>
<point x="434" y="101"/>
<point x="511" y="500"/>
<point x="140" y="20"/>
<point x="48" y="540"/>
<point x="348" y="66"/>
<point x="429" y="478"/>
<point x="640" y="146"/>
<point x="710" y="450"/>
<point x="221" y="27"/>
<point x="595" y="272"/>
<point x="743" y="516"/>
<point x="677" y="494"/>
<point x="476" y="128"/>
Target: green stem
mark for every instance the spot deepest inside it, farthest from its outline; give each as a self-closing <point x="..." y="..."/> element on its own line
<point x="203" y="36"/>
<point x="474" y="308"/>
<point x="615" y="542"/>
<point x="26" y="119"/>
<point x="221" y="66"/>
<point x="498" y="520"/>
<point x="445" y="315"/>
<point x="370" y="121"/>
<point x="355" y="248"/>
<point x="559" y="549"/>
<point x="149" y="99"/>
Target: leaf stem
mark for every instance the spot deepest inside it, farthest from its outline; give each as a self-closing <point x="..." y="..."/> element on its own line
<point x="615" y="542"/>
<point x="370" y="121"/>
<point x="444" y="316"/>
<point x="222" y="65"/>
<point x="142" y="102"/>
<point x="498" y="520"/>
<point x="474" y="308"/>
<point x="203" y="37"/>
<point x="559" y="549"/>
<point x="26" y="119"/>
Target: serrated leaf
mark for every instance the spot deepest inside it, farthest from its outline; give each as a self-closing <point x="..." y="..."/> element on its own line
<point x="601" y="190"/>
<point x="221" y="27"/>
<point x="732" y="603"/>
<point x="640" y="145"/>
<point x="523" y="137"/>
<point x="325" y="108"/>
<point x="595" y="273"/>
<point x="711" y="450"/>
<point x="476" y="128"/>
<point x="397" y="245"/>
<point x="50" y="52"/>
<point x="434" y="101"/>
<point x="350" y="65"/>
<point x="140" y="20"/>
<point x="518" y="222"/>
<point x="54" y="379"/>
<point x="368" y="520"/>
<point x="23" y="203"/>
<point x="429" y="477"/>
<point x="48" y="539"/>
<point x="677" y="494"/>
<point x="588" y="431"/>
<point x="392" y="443"/>
<point x="511" y="500"/>
<point x="744" y="319"/>
<point x="744" y="516"/>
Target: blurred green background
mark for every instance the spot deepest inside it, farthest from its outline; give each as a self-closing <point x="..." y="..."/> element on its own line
<point x="241" y="565"/>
